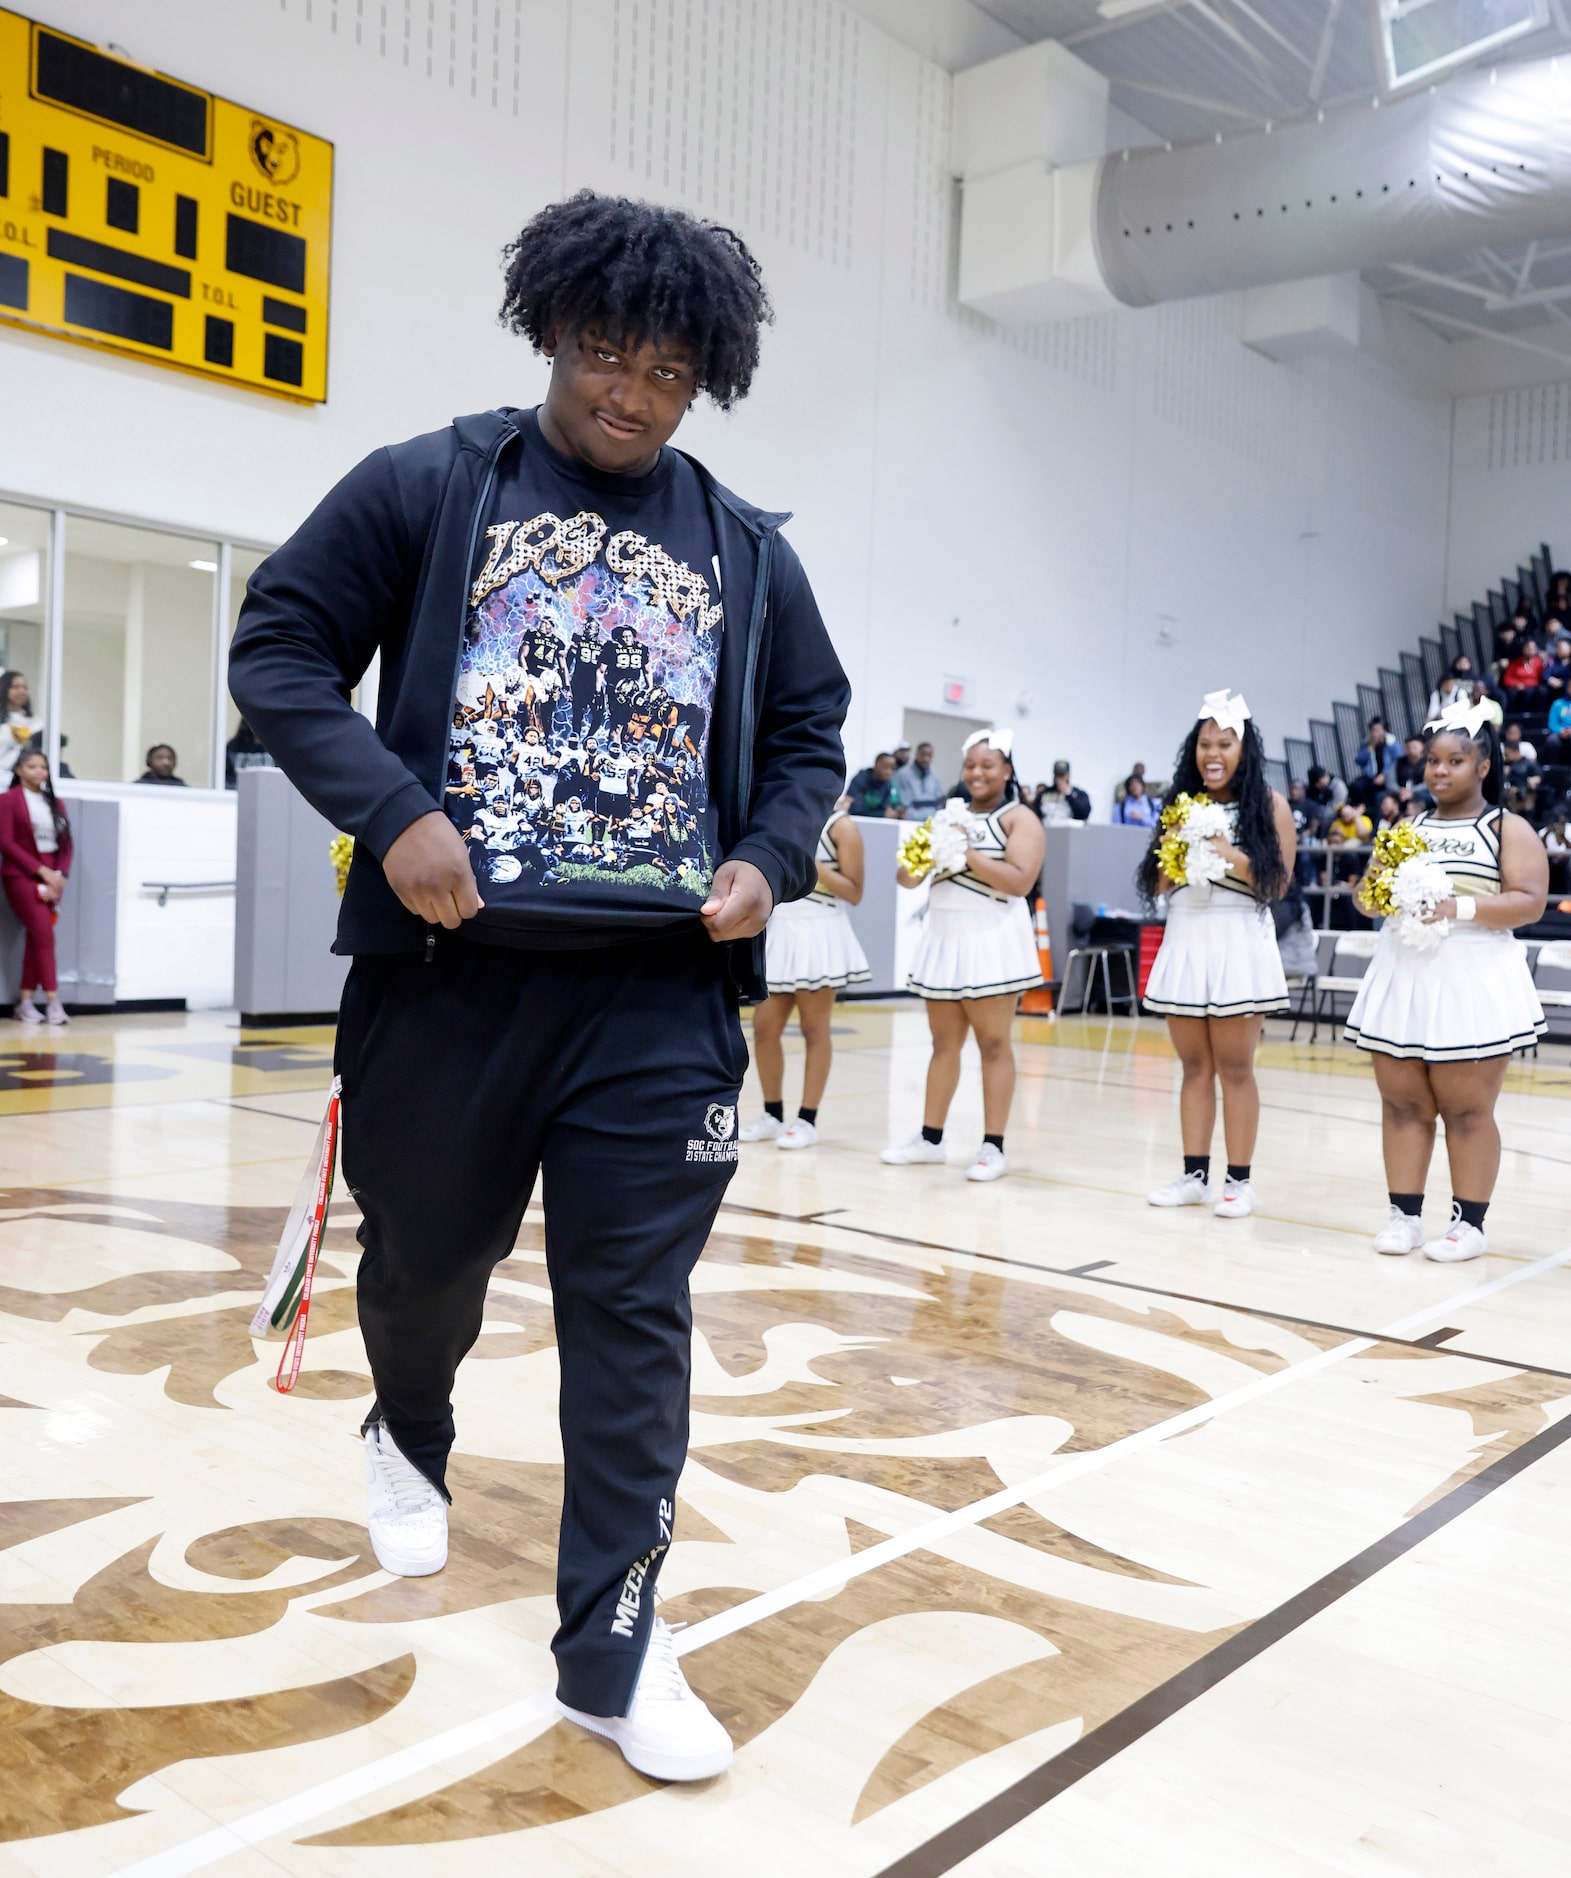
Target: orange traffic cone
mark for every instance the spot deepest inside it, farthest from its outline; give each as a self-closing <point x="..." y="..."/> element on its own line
<point x="1040" y="1002"/>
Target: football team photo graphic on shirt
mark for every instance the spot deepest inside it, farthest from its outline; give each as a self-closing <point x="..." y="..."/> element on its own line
<point x="580" y="725"/>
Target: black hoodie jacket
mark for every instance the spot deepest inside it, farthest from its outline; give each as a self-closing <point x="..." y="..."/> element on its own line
<point x="384" y="564"/>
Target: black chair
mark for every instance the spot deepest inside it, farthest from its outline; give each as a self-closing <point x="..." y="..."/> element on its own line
<point x="1107" y="938"/>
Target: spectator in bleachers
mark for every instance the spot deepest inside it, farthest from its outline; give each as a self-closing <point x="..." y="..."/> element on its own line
<point x="1510" y="634"/>
<point x="1557" y="845"/>
<point x="1309" y="826"/>
<point x="1134" y="808"/>
<point x="1376" y="764"/>
<point x="1410" y="764"/>
<point x="1063" y="801"/>
<point x="1559" y="603"/>
<point x="1557" y="746"/>
<point x="1557" y="669"/>
<point x="873" y="790"/>
<point x="1391" y="812"/>
<point x="161" y="765"/>
<point x="21" y="729"/>
<point x="1524" y="780"/>
<point x="1350" y="823"/>
<point x="1326" y="791"/>
<point x="1523" y="678"/>
<point x="1450" y="690"/>
<point x="919" y="785"/>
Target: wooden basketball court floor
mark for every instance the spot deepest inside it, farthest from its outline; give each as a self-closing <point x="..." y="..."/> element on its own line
<point x="1026" y="1529"/>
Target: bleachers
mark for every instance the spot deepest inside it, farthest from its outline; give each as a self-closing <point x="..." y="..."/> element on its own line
<point x="1401" y="696"/>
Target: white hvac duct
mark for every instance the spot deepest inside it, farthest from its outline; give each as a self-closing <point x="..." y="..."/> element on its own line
<point x="1485" y="158"/>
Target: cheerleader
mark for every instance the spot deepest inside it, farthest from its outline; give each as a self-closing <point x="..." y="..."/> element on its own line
<point x="1442" y="1024"/>
<point x="810" y="953"/>
<point x="977" y="954"/>
<point x="1218" y="971"/>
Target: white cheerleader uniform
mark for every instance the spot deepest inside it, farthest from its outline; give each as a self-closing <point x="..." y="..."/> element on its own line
<point x="1219" y="954"/>
<point x="1472" y="995"/>
<point x="977" y="941"/>
<point x="809" y="944"/>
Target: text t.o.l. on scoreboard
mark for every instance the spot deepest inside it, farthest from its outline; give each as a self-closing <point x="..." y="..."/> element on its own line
<point x="146" y="215"/>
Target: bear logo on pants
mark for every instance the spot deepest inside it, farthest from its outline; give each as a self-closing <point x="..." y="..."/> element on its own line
<point x="720" y="1121"/>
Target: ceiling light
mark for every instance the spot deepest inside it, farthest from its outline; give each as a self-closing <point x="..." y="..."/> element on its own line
<point x="204" y="567"/>
<point x="5" y="541"/>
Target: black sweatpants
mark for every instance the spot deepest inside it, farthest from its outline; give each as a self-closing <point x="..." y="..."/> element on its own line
<point x="616" y="1074"/>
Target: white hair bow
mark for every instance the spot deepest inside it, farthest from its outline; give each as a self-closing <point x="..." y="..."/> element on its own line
<point x="1226" y="709"/>
<point x="1468" y="717"/>
<point x="1003" y="741"/>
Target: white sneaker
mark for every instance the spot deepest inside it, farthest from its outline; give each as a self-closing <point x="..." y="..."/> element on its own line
<point x="797" y="1134"/>
<point x="55" y="1013"/>
<point x="989" y="1164"/>
<point x="1237" y="1201"/>
<point x="766" y="1128"/>
<point x="667" y="1732"/>
<point x="406" y="1515"/>
<point x="1187" y="1190"/>
<point x="916" y="1149"/>
<point x="1402" y="1232"/>
<point x="1459" y="1243"/>
<point x="27" y="1012"/>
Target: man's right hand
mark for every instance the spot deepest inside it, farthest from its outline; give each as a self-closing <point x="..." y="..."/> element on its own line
<point x="428" y="868"/>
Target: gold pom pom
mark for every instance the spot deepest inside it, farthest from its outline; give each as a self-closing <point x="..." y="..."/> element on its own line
<point x="341" y="851"/>
<point x="1172" y="851"/>
<point x="916" y="850"/>
<point x="1393" y="846"/>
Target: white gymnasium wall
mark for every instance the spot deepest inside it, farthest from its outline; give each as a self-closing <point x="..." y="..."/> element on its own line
<point x="1510" y="486"/>
<point x="1090" y="523"/>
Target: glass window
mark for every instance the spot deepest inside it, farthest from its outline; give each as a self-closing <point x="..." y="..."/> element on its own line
<point x="24" y="592"/>
<point x="137" y="658"/>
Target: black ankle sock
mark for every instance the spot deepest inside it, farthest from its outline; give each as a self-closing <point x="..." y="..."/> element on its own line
<point x="776" y="1109"/>
<point x="1471" y="1211"/>
<point x="933" y="1135"/>
<point x="810" y="1116"/>
<point x="1197" y="1164"/>
<point x="1238" y="1174"/>
<point x="993" y="1141"/>
<point x="1412" y="1204"/>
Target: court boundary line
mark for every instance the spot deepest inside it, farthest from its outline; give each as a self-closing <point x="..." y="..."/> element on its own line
<point x="1094" y="1749"/>
<point x="253" y="1829"/>
<point x="1091" y="1275"/>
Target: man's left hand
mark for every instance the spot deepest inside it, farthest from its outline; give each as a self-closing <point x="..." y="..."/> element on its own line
<point x="739" y="902"/>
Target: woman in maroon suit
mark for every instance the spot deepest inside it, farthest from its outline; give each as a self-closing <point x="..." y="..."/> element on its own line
<point x="35" y="857"/>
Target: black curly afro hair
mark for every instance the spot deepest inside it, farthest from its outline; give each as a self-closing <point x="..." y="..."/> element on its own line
<point x="635" y="272"/>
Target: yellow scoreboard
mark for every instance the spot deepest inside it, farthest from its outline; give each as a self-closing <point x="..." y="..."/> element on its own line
<point x="146" y="215"/>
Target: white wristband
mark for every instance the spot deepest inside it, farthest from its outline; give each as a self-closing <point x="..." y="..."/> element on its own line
<point x="1466" y="907"/>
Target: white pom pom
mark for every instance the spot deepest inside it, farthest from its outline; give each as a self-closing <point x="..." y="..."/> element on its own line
<point x="953" y="832"/>
<point x="1202" y="861"/>
<point x="1418" y="886"/>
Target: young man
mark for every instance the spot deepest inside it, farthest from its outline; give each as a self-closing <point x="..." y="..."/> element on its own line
<point x="919" y="786"/>
<point x="872" y="790"/>
<point x="584" y="1014"/>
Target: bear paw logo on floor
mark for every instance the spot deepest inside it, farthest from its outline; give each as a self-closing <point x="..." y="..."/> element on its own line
<point x="720" y="1123"/>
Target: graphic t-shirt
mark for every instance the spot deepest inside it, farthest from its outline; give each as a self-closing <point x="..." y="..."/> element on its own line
<point x="578" y="761"/>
